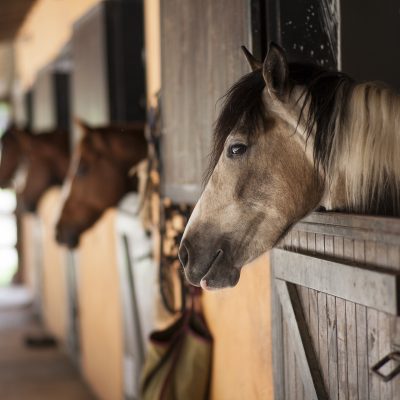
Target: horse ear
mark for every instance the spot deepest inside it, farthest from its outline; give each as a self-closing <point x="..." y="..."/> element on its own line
<point x="84" y="126"/>
<point x="99" y="142"/>
<point x="253" y="62"/>
<point x="276" y="72"/>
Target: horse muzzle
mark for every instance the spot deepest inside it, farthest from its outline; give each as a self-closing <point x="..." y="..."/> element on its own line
<point x="67" y="237"/>
<point x="209" y="270"/>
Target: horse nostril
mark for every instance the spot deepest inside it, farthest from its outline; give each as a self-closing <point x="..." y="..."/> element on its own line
<point x="183" y="255"/>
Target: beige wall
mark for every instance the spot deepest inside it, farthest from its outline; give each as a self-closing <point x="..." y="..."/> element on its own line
<point x="153" y="53"/>
<point x="45" y="31"/>
<point x="54" y="274"/>
<point x="100" y="310"/>
<point x="29" y="250"/>
<point x="240" y="321"/>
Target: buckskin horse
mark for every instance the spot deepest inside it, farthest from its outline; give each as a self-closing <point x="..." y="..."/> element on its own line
<point x="45" y="159"/>
<point x="290" y="138"/>
<point x="98" y="177"/>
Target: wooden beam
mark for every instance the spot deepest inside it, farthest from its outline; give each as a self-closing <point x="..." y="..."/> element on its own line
<point x="298" y="332"/>
<point x="369" y="287"/>
<point x="278" y="361"/>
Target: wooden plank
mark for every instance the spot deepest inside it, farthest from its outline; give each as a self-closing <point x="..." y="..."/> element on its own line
<point x="373" y="352"/>
<point x="370" y="234"/>
<point x="286" y="363"/>
<point x="332" y="348"/>
<point x="342" y="349"/>
<point x="362" y="352"/>
<point x="338" y="250"/>
<point x="351" y="330"/>
<point x="279" y="349"/>
<point x="351" y="340"/>
<point x="290" y="366"/>
<point x="303" y="241"/>
<point x="393" y="260"/>
<point x="384" y="344"/>
<point x="295" y="239"/>
<point x="376" y="289"/>
<point x="323" y="337"/>
<point x="305" y="355"/>
<point x="361" y="332"/>
<point x="299" y="384"/>
<point x="367" y="222"/>
<point x="322" y="320"/>
<point x="313" y="301"/>
<point x="193" y="84"/>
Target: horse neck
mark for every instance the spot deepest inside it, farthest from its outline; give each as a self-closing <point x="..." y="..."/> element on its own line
<point x="365" y="158"/>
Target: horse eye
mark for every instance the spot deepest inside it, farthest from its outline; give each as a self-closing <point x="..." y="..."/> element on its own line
<point x="236" y="149"/>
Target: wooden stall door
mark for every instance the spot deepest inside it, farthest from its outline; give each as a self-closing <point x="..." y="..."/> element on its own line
<point x="335" y="313"/>
<point x="201" y="59"/>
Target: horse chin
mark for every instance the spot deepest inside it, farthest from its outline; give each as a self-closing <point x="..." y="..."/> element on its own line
<point x="68" y="239"/>
<point x="29" y="207"/>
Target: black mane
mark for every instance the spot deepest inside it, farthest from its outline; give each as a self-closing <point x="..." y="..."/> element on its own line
<point x="243" y="108"/>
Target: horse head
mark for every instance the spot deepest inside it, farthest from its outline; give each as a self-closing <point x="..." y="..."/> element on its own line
<point x="98" y="177"/>
<point x="10" y="156"/>
<point x="46" y="158"/>
<point x="263" y="176"/>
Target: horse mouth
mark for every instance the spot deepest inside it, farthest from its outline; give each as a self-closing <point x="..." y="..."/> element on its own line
<point x="204" y="282"/>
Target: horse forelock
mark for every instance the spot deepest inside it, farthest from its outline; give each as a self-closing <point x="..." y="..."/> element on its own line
<point x="242" y="108"/>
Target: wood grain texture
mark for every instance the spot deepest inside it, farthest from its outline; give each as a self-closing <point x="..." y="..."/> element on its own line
<point x="201" y="59"/>
<point x="240" y="322"/>
<point x="348" y="337"/>
<point x="54" y="274"/>
<point x="101" y="316"/>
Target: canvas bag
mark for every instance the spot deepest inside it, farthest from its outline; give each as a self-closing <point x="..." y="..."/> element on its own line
<point x="178" y="362"/>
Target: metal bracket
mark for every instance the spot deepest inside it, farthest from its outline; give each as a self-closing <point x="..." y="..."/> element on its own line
<point x="394" y="356"/>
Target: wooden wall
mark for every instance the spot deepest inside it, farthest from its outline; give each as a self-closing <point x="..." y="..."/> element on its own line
<point x="349" y="311"/>
<point x="100" y="310"/>
<point x="54" y="273"/>
<point x="240" y="321"/>
<point x="201" y="59"/>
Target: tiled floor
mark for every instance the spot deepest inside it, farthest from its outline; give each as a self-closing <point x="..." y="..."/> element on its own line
<point x="32" y="374"/>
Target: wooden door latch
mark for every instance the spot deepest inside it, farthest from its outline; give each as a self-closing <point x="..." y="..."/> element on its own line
<point x="376" y="369"/>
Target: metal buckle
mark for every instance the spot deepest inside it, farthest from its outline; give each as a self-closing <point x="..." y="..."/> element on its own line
<point x="394" y="356"/>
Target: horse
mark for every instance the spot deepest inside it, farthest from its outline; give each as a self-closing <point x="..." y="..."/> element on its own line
<point x="10" y="157"/>
<point x="44" y="159"/>
<point x="290" y="138"/>
<point x="99" y="176"/>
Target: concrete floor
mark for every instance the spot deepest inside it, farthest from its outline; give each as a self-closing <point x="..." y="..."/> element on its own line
<point x="27" y="373"/>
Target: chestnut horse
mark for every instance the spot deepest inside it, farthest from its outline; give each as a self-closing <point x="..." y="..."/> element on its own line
<point x="290" y="138"/>
<point x="10" y="157"/>
<point x="98" y="177"/>
<point x="45" y="159"/>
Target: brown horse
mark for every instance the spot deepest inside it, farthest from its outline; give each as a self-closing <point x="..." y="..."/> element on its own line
<point x="289" y="139"/>
<point x="10" y="157"/>
<point x="98" y="177"/>
<point x="45" y="159"/>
